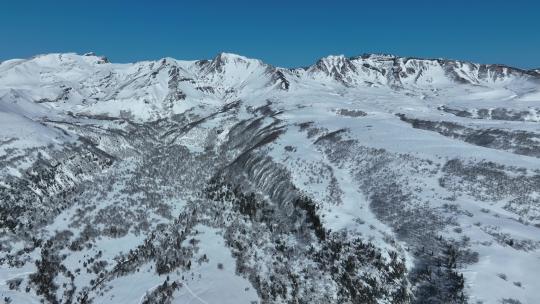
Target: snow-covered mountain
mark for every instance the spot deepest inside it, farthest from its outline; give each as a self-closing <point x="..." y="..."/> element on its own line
<point x="372" y="179"/>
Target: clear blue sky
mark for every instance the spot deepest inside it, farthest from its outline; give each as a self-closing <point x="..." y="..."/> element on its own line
<point x="284" y="33"/>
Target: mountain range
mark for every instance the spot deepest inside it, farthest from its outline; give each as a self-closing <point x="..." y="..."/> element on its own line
<point x="370" y="179"/>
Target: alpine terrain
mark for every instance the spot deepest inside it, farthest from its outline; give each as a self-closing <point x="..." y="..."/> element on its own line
<point x="372" y="179"/>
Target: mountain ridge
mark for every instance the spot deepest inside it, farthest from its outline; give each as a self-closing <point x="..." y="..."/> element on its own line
<point x="362" y="55"/>
<point x="227" y="72"/>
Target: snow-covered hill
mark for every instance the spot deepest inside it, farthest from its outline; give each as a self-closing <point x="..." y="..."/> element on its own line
<point x="372" y="179"/>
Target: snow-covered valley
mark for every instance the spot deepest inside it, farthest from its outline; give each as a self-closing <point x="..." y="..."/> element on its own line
<point x="373" y="179"/>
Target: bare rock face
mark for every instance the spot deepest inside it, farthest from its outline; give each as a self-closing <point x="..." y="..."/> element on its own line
<point x="371" y="179"/>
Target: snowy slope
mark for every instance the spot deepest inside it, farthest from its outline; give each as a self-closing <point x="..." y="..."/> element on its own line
<point x="372" y="179"/>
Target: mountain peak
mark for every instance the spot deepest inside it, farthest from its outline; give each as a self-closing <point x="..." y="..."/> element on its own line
<point x="376" y="56"/>
<point x="234" y="58"/>
<point x="231" y="56"/>
<point x="334" y="66"/>
<point x="334" y="58"/>
<point x="223" y="60"/>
